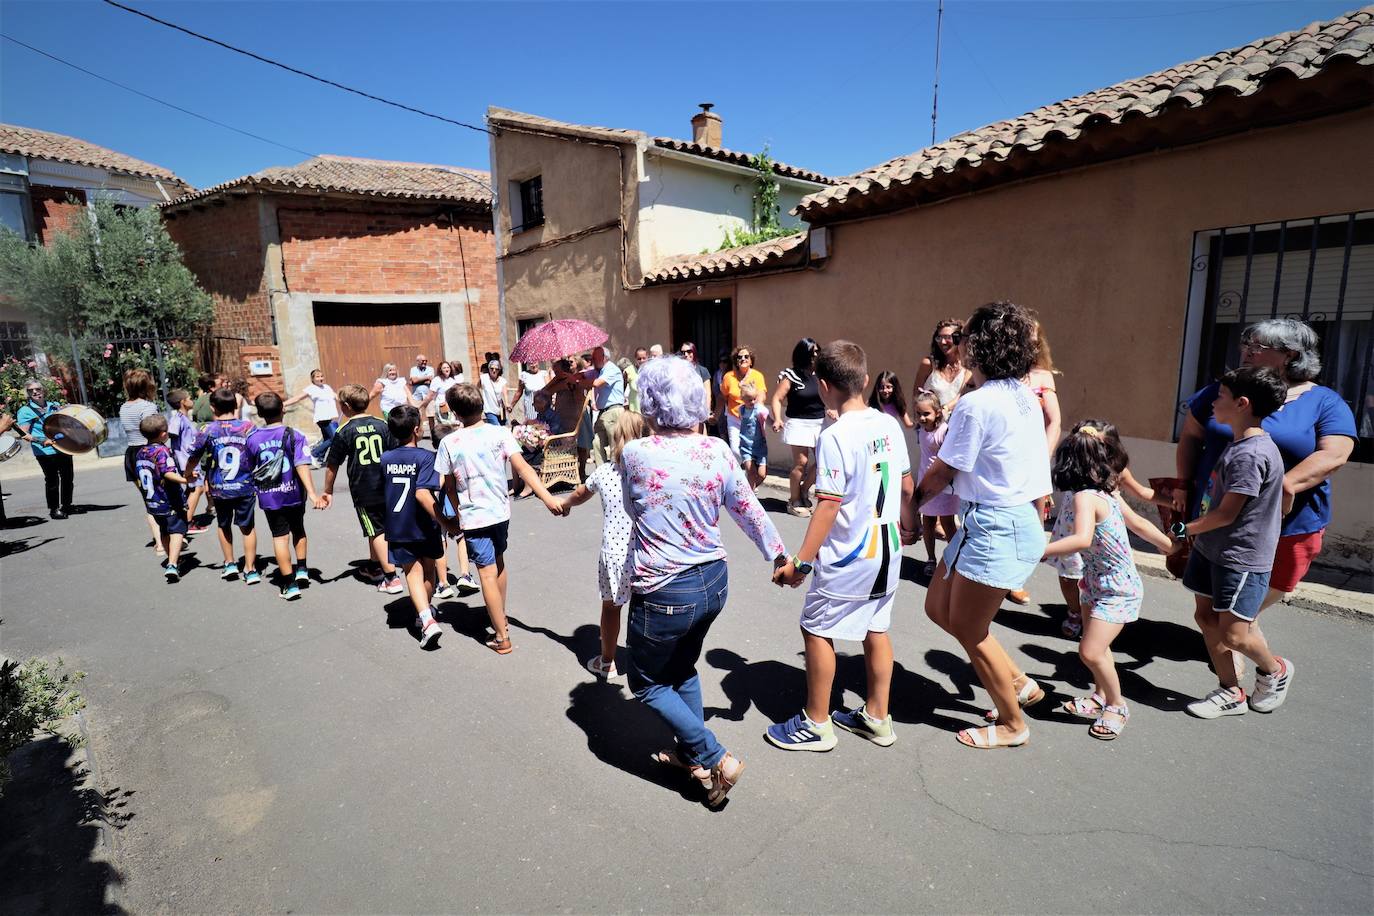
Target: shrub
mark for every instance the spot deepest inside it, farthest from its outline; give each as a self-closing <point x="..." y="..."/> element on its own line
<point x="34" y="697"/>
<point x="14" y="373"/>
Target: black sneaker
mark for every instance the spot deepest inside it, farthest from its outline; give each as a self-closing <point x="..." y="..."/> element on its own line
<point x="57" y="514"/>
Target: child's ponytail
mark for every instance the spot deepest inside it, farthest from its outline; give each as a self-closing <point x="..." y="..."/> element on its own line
<point x="1091" y="457"/>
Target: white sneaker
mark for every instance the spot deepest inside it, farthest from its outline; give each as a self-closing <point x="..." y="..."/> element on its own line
<point x="602" y="669"/>
<point x="1223" y="701"/>
<point x="467" y="585"/>
<point x="1272" y="689"/>
<point x="445" y="591"/>
<point x="429" y="636"/>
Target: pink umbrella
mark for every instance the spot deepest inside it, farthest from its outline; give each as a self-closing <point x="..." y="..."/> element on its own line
<point x="556" y="339"/>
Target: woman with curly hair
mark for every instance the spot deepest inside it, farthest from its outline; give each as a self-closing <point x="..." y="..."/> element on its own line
<point x="943" y="371"/>
<point x="994" y="454"/>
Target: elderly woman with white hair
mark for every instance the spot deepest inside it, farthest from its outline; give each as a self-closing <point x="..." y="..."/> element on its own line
<point x="393" y="388"/>
<point x="676" y="482"/>
<point x="1314" y="430"/>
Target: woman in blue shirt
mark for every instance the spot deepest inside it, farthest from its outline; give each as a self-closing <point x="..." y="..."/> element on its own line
<point x="1314" y="430"/>
<point x="57" y="466"/>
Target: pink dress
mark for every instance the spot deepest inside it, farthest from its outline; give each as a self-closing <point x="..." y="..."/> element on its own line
<point x="945" y="503"/>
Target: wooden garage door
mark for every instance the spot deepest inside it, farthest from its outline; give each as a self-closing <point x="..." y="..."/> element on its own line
<point x="357" y="339"/>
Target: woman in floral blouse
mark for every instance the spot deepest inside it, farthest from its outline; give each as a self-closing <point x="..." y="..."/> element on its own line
<point x="675" y="485"/>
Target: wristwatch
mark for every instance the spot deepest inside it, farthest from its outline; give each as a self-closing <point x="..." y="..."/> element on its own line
<point x="1179" y="531"/>
<point x="803" y="568"/>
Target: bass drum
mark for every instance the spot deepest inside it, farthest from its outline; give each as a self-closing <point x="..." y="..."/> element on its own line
<point x="9" y="446"/>
<point x="75" y="429"/>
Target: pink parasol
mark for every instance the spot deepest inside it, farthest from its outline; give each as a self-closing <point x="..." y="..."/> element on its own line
<point x="556" y="339"/>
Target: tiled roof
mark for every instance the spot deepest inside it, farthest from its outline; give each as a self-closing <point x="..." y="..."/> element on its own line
<point x="499" y="117"/>
<point x="1237" y="72"/>
<point x="745" y="159"/>
<point x="372" y="177"/>
<point x="42" y="144"/>
<point x="776" y="252"/>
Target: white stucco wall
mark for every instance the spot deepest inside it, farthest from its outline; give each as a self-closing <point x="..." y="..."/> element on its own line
<point x="686" y="207"/>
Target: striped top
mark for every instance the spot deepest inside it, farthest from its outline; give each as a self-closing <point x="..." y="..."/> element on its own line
<point x="130" y="414"/>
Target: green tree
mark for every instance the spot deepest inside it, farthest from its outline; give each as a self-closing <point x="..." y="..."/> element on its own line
<point x="119" y="269"/>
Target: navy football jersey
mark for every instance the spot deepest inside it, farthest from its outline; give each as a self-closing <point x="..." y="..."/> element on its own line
<point x="406" y="471"/>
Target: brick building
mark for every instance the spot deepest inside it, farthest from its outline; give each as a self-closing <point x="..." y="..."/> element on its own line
<point x="344" y="264"/>
<point x="47" y="180"/>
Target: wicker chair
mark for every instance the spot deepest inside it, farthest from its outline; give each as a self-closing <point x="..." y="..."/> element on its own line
<point x="560" y="460"/>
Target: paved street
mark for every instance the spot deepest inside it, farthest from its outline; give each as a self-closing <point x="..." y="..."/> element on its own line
<point x="308" y="757"/>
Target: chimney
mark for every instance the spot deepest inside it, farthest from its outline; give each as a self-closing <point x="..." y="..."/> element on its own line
<point x="706" y="126"/>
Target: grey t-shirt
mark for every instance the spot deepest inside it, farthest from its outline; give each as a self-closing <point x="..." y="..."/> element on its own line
<point x="1253" y="467"/>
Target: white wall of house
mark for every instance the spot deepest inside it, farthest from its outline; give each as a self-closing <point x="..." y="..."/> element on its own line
<point x="687" y="204"/>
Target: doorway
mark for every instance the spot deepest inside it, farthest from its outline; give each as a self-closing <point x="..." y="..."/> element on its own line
<point x="356" y="339"/>
<point x="708" y="323"/>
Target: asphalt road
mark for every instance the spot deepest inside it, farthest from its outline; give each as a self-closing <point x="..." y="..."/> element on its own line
<point x="309" y="757"/>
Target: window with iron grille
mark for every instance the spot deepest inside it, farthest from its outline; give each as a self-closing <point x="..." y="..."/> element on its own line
<point x="14" y="340"/>
<point x="531" y="198"/>
<point x="1319" y="270"/>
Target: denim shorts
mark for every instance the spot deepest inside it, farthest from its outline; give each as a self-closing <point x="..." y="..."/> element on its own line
<point x="486" y="544"/>
<point x="1233" y="591"/>
<point x="996" y="546"/>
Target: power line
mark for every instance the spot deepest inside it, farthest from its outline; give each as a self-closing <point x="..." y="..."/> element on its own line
<point x="935" y="96"/>
<point x="288" y="68"/>
<point x="151" y="98"/>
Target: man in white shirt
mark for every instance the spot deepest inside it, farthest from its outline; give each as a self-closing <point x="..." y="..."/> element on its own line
<point x="607" y="384"/>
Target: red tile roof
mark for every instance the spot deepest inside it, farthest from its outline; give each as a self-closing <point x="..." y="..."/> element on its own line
<point x="42" y="144"/>
<point x="370" y="177"/>
<point x="499" y="117"/>
<point x="1237" y="72"/>
<point x="778" y="252"/>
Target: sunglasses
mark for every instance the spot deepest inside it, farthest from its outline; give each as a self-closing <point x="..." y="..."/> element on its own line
<point x="950" y="338"/>
<point x="742" y="357"/>
<point x="1255" y="349"/>
<point x="686" y="352"/>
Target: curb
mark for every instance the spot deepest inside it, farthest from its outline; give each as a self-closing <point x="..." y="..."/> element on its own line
<point x="1320" y="599"/>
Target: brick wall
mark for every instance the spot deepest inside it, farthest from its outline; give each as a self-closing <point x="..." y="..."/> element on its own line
<point x="394" y="250"/>
<point x="221" y="245"/>
<point x="53" y="211"/>
<point x="257" y="384"/>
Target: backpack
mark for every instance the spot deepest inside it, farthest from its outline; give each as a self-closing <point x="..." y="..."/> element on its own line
<point x="269" y="474"/>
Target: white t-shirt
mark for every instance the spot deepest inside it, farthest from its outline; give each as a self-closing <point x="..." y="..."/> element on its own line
<point x="393" y="393"/>
<point x="996" y="444"/>
<point x="494" y="395"/>
<point x="439" y="387"/>
<point x="476" y="456"/>
<point x="324" y="399"/>
<point x="861" y="459"/>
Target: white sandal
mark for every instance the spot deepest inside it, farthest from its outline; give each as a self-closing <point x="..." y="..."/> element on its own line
<point x="602" y="668"/>
<point x="987" y="740"/>
<point x="1080" y="706"/>
<point x="1029" y="694"/>
<point x="1113" y="727"/>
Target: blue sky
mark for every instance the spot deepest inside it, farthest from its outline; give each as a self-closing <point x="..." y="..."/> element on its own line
<point x="832" y="87"/>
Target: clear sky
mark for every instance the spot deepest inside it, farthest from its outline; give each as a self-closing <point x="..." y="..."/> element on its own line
<point x="834" y="87"/>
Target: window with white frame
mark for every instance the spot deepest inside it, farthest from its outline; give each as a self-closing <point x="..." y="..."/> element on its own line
<point x="1317" y="269"/>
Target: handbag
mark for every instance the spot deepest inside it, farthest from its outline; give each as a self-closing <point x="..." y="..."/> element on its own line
<point x="270" y="474"/>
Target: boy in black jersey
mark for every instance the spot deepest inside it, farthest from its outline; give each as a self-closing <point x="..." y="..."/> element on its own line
<point x="412" y="515"/>
<point x="361" y="440"/>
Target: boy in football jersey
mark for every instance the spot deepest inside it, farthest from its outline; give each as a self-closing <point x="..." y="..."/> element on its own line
<point x="863" y="477"/>
<point x="361" y="440"/>
<point x="225" y="439"/>
<point x="412" y="515"/>
<point x="163" y="490"/>
<point x="281" y="474"/>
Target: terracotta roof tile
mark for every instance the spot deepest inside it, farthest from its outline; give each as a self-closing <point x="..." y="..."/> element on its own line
<point x="1239" y="71"/>
<point x="772" y="253"/>
<point x="745" y="159"/>
<point x="42" y="144"/>
<point x="375" y="177"/>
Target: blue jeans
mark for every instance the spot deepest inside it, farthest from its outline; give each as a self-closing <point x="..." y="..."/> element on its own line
<point x="327" y="430"/>
<point x="492" y="418"/>
<point x="665" y="634"/>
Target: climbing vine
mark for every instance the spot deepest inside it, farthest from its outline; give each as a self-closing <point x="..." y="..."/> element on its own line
<point x="767" y="214"/>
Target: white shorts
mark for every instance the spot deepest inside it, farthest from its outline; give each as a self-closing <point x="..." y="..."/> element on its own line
<point x="844" y="618"/>
<point x="801" y="433"/>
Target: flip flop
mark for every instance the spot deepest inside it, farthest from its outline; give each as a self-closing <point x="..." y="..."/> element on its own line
<point x="500" y="646"/>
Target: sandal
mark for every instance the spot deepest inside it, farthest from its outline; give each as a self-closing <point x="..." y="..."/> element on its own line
<point x="1029" y="694"/>
<point x="1085" y="707"/>
<point x="1019" y="596"/>
<point x="668" y="757"/>
<point x="1105" y="729"/>
<point x="721" y="784"/>
<point x="986" y="739"/>
<point x="1072" y="627"/>
<point x="500" y="646"/>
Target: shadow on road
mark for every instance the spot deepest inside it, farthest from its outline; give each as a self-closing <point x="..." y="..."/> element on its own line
<point x="95" y="507"/>
<point x="10" y="548"/>
<point x="23" y="521"/>
<point x="584" y="642"/>
<point x="50" y="846"/>
<point x="621" y="733"/>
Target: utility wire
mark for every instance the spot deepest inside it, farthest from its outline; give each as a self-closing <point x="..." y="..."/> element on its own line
<point x="187" y="111"/>
<point x="295" y="70"/>
<point x="935" y="95"/>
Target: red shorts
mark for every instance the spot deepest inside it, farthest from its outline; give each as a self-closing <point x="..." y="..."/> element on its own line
<point x="1293" y="558"/>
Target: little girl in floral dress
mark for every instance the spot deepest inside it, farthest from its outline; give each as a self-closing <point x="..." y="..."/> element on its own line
<point x="1087" y="466"/>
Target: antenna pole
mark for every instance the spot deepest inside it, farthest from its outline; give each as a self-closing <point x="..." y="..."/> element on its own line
<point x="935" y="100"/>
